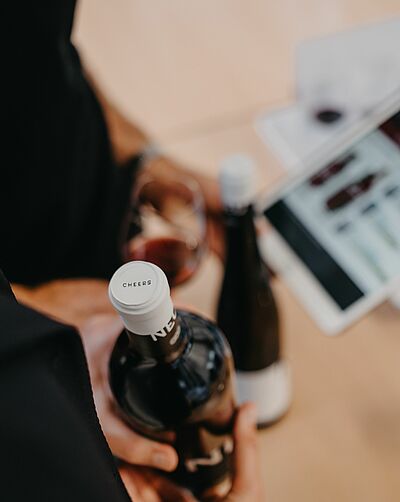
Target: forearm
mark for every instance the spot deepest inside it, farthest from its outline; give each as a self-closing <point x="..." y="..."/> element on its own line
<point x="127" y="139"/>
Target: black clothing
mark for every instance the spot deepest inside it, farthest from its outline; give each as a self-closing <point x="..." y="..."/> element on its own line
<point x="5" y="289"/>
<point x="63" y="200"/>
<point x="52" y="447"/>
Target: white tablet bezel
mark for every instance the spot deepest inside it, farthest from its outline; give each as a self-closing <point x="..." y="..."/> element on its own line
<point x="284" y="260"/>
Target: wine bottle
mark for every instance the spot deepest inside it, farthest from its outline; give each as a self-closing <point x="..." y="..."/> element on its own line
<point x="171" y="373"/>
<point x="247" y="312"/>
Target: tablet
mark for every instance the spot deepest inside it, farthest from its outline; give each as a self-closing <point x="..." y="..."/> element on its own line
<point x="335" y="229"/>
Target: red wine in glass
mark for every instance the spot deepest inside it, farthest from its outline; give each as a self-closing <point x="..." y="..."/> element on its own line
<point x="172" y="224"/>
<point x="176" y="257"/>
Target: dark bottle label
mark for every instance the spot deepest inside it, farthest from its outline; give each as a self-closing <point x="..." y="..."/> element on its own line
<point x="207" y="474"/>
<point x="162" y="344"/>
<point x="214" y="458"/>
<point x="170" y="331"/>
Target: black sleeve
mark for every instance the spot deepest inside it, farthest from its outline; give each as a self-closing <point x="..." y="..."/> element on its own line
<point x="63" y="198"/>
<point x="52" y="448"/>
<point x="5" y="288"/>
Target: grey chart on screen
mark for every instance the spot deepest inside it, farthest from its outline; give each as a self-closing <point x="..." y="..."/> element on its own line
<point x="352" y="208"/>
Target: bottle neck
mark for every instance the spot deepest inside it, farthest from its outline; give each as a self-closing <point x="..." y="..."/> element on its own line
<point x="241" y="234"/>
<point x="165" y="345"/>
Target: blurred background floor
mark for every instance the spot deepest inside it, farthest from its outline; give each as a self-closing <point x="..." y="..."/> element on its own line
<point x="194" y="75"/>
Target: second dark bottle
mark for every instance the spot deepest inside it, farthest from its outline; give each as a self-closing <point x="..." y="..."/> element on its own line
<point x="247" y="312"/>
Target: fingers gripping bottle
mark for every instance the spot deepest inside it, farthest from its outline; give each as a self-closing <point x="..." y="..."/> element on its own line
<point x="171" y="373"/>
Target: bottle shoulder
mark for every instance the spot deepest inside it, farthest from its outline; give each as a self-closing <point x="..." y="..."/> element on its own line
<point x="158" y="392"/>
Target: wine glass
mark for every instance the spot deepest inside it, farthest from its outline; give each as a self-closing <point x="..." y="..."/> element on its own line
<point x="173" y="226"/>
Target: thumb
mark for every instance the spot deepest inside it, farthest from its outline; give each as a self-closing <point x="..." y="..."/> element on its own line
<point x="139" y="450"/>
<point x="246" y="461"/>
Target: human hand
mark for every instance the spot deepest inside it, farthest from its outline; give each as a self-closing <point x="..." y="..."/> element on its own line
<point x="247" y="482"/>
<point x="99" y="335"/>
<point x="146" y="485"/>
<point x="85" y="304"/>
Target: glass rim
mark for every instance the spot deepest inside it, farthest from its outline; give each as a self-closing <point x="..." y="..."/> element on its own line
<point x="196" y="205"/>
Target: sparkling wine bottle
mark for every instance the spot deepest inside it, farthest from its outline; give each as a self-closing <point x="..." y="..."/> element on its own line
<point x="247" y="312"/>
<point x="171" y="373"/>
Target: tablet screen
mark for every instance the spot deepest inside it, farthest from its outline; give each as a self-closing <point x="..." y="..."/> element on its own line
<point x="344" y="221"/>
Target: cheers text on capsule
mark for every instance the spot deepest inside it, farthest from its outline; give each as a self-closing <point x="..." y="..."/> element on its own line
<point x="136" y="284"/>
